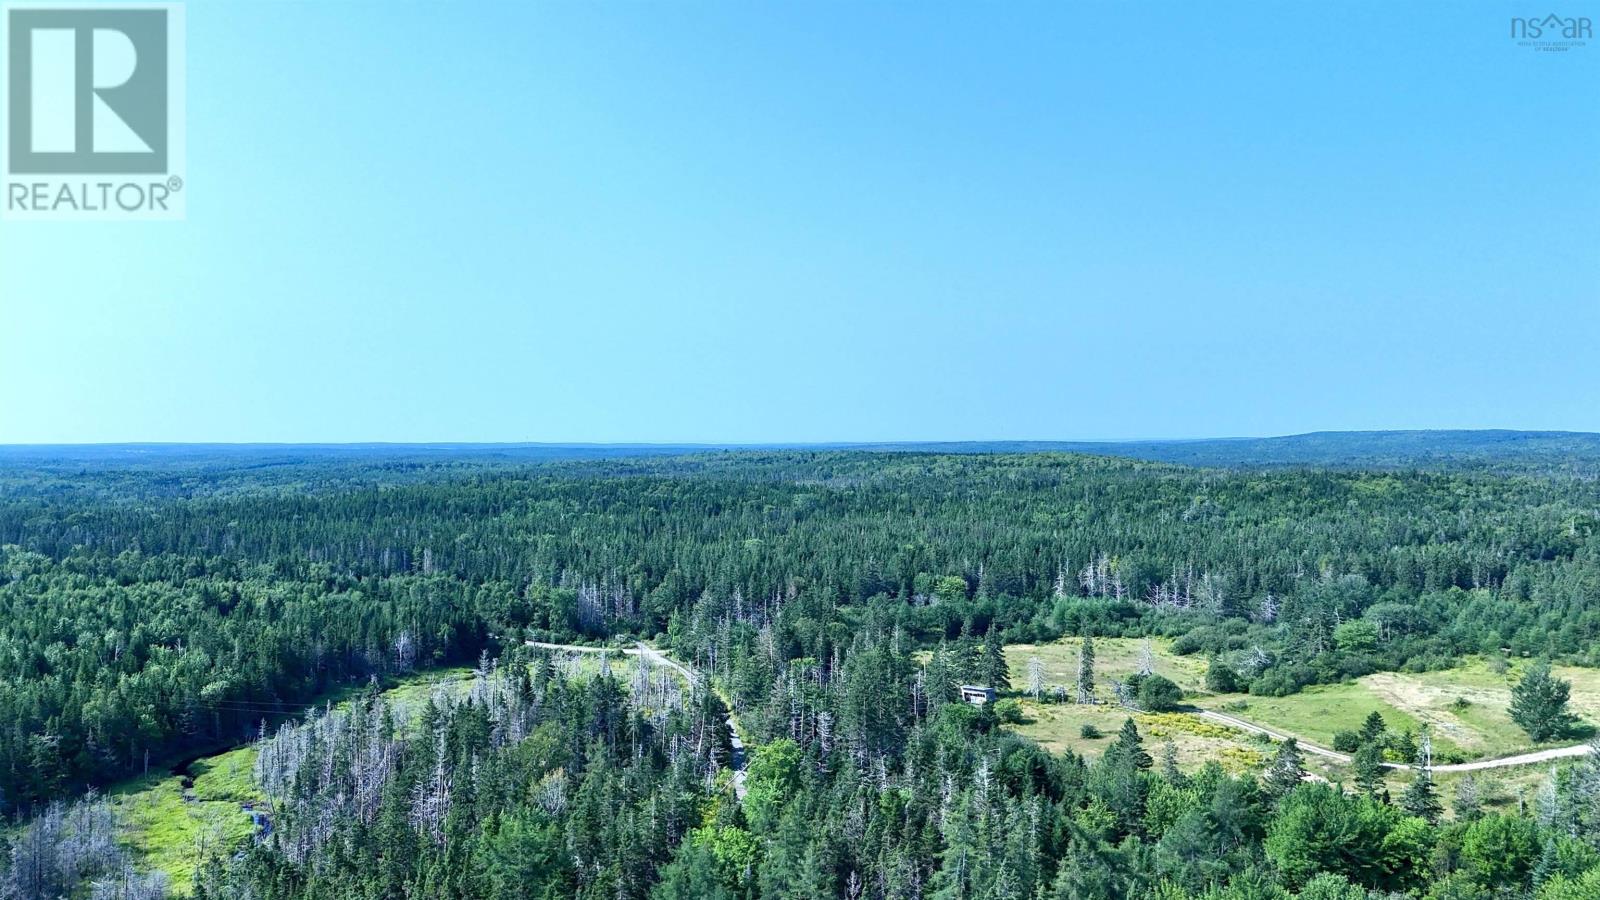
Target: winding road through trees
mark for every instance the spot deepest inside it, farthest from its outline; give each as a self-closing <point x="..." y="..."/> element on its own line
<point x="737" y="761"/>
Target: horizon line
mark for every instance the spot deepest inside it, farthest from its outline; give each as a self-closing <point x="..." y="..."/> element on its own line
<point x="765" y="444"/>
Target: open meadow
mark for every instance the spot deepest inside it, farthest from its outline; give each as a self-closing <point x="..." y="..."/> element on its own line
<point x="171" y="820"/>
<point x="1114" y="658"/>
<point x="1087" y="729"/>
<point x="1467" y="708"/>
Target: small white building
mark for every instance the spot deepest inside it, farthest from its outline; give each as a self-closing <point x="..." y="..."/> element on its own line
<point x="977" y="696"/>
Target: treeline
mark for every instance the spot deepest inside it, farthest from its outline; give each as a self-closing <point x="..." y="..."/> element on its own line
<point x="534" y="784"/>
<point x="138" y="620"/>
<point x="870" y="782"/>
<point x="111" y="663"/>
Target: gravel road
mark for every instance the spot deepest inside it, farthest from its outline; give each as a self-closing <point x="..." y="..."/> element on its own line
<point x="1521" y="759"/>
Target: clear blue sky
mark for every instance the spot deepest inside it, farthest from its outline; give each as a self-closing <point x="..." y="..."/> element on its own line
<point x="740" y="221"/>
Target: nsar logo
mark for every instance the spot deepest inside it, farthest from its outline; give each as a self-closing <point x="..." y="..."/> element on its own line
<point x="1552" y="33"/>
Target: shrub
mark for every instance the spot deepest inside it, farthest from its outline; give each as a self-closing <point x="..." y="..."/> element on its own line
<point x="1539" y="703"/>
<point x="1088" y="731"/>
<point x="1009" y="711"/>
<point x="1193" y="642"/>
<point x="1274" y="683"/>
<point x="1500" y="849"/>
<point x="1158" y="694"/>
<point x="1162" y="724"/>
<point x="1221" y="678"/>
<point x="1403" y="746"/>
<point x="1346" y="741"/>
<point x="1238" y="759"/>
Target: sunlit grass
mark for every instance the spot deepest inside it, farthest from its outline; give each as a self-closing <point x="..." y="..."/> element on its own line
<point x="168" y="831"/>
<point x="1467" y="708"/>
<point x="1114" y="658"/>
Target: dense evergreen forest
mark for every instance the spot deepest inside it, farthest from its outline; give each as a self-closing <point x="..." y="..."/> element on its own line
<point x="154" y="611"/>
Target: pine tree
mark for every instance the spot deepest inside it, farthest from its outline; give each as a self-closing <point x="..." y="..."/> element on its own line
<point x="1539" y="703"/>
<point x="992" y="668"/>
<point x="940" y="678"/>
<point x="1368" y="764"/>
<point x="967" y="654"/>
<point x="1373" y="728"/>
<point x="1131" y="746"/>
<point x="1086" y="671"/>
<point x="1421" y="800"/>
<point x="1286" y="770"/>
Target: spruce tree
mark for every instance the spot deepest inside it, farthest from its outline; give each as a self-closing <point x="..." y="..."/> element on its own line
<point x="1368" y="765"/>
<point x="1539" y="703"/>
<point x="1086" y="671"/>
<point x="1286" y="770"/>
<point x="1404" y="746"/>
<point x="1169" y="763"/>
<point x="967" y="655"/>
<point x="1083" y="873"/>
<point x="940" y="677"/>
<point x="1130" y="746"/>
<point x="1421" y="800"/>
<point x="1373" y="728"/>
<point x="992" y="668"/>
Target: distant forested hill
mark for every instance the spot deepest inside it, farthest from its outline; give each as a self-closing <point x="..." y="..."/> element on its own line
<point x="1533" y="452"/>
<point x="126" y="471"/>
<point x="188" y="469"/>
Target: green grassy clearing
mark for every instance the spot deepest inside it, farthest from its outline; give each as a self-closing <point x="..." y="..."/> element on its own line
<point x="1478" y="728"/>
<point x="587" y="665"/>
<point x="171" y="828"/>
<point x="1058" y="727"/>
<point x="1320" y="710"/>
<point x="1114" y="658"/>
<point x="410" y="695"/>
<point x="1483" y="723"/>
<point x="226" y="777"/>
